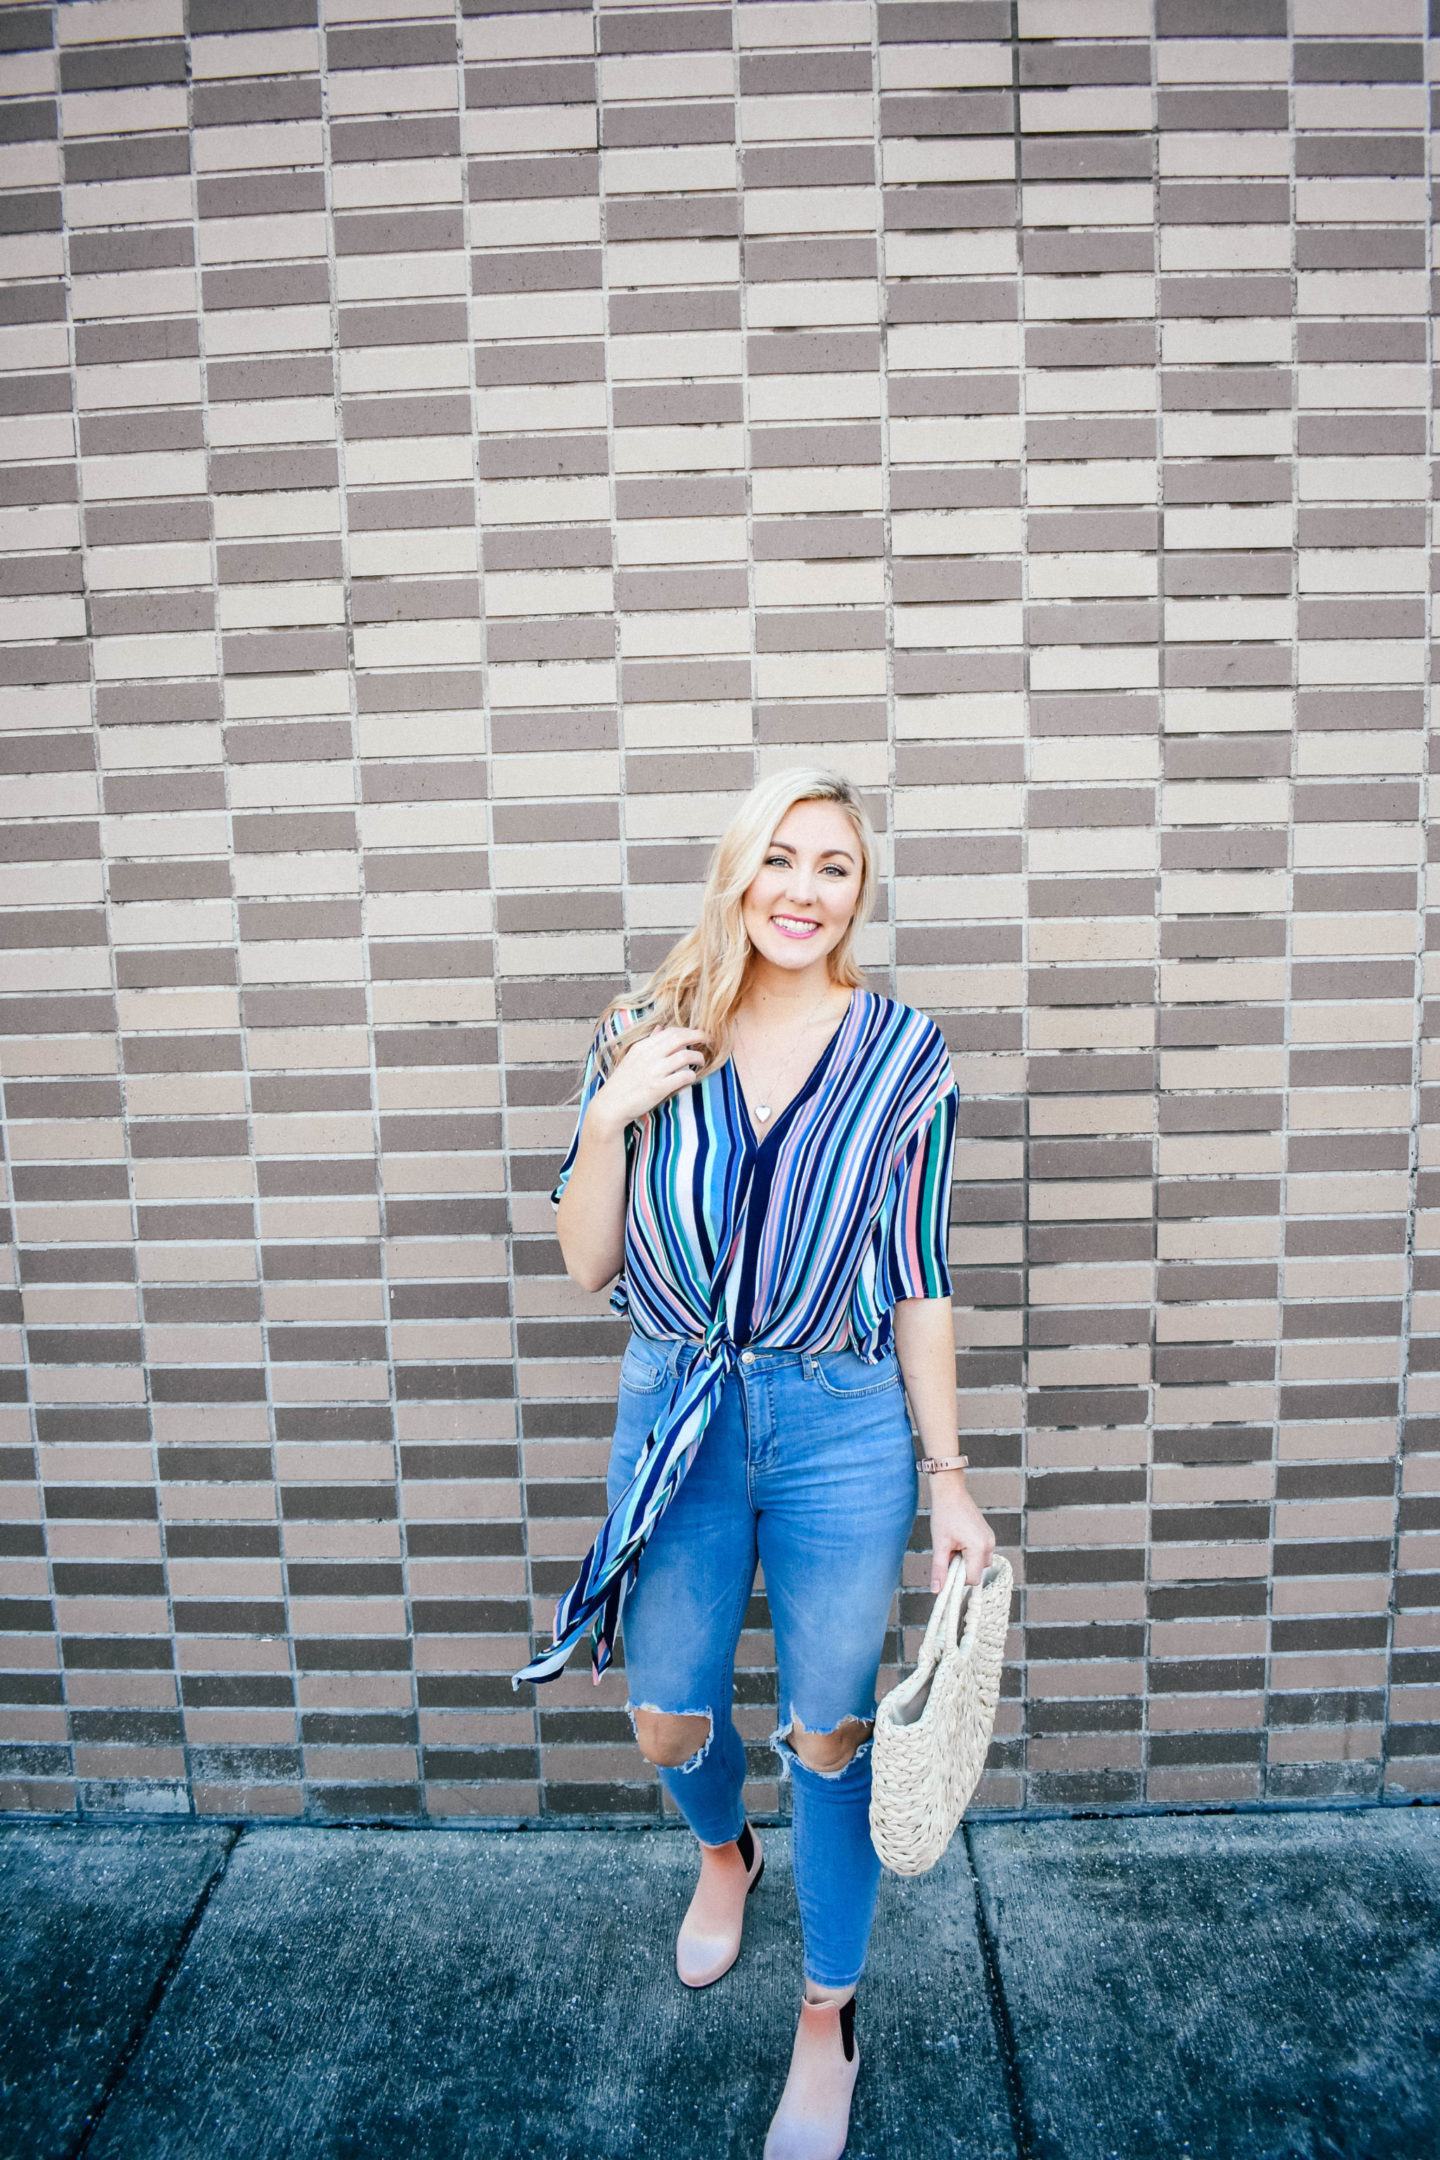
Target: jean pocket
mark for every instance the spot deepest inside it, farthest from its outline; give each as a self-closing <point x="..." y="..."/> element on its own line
<point x="645" y="1367"/>
<point x="848" y="1378"/>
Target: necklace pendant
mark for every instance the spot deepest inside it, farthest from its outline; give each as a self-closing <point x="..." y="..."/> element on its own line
<point x="762" y="1111"/>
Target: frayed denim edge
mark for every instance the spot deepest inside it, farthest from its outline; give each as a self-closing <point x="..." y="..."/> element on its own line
<point x="695" y="1760"/>
<point x="780" y="1742"/>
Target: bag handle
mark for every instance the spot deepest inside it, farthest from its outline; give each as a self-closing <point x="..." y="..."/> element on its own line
<point x="943" y="1626"/>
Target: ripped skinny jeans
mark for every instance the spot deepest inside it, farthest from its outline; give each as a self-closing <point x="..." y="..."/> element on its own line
<point x="807" y="1466"/>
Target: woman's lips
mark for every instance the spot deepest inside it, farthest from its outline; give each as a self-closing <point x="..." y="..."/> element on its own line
<point x="794" y="926"/>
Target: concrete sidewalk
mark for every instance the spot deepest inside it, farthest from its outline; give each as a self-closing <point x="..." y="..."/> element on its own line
<point x="1262" y="1985"/>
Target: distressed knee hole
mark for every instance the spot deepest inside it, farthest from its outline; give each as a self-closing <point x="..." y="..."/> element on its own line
<point x="828" y="1753"/>
<point x="673" y="1741"/>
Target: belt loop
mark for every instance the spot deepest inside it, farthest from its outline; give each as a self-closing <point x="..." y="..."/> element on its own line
<point x="809" y="1361"/>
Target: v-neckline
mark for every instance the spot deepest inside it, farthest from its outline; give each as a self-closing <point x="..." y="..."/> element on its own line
<point x="763" y="1137"/>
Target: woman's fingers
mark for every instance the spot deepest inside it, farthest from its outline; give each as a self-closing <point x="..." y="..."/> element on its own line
<point x="685" y="1059"/>
<point x="684" y="1052"/>
<point x="940" y="1558"/>
<point x="670" y="1046"/>
<point x="977" y="1553"/>
<point x="657" y="1068"/>
<point x="664" y="1063"/>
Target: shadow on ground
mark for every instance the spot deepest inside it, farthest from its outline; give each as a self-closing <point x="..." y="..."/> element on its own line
<point x="1265" y="1986"/>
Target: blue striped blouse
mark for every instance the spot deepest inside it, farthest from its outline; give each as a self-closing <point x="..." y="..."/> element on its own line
<point x="801" y="1239"/>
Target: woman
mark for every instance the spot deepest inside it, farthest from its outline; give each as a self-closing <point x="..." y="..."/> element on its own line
<point x="763" y="1160"/>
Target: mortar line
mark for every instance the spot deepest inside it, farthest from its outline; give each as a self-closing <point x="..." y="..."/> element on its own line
<point x="242" y="1032"/>
<point x="471" y="241"/>
<point x="92" y="728"/>
<point x="1422" y="936"/>
<point x="1157" y="941"/>
<point x="371" y="1070"/>
<point x="756" y="747"/>
<point x="1287" y="1001"/>
<point x="629" y="977"/>
<point x="1020" y="1619"/>
<point x="742" y="369"/>
<point x="889" y="694"/>
<point x="590" y="1825"/>
<point x="888" y="691"/>
<point x="106" y="863"/>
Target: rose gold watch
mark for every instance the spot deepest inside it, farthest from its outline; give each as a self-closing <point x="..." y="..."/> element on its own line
<point x="931" y="1463"/>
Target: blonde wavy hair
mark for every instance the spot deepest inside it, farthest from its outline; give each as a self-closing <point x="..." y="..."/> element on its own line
<point x="702" y="979"/>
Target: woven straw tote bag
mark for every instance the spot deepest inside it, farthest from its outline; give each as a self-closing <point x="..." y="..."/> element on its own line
<point x="932" y="1731"/>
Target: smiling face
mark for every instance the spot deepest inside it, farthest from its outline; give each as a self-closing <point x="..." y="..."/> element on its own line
<point x="798" y="907"/>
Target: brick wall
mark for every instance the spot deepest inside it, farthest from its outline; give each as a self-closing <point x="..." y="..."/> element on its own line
<point x="416" y="529"/>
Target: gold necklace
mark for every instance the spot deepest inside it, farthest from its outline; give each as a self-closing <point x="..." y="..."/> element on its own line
<point x="762" y="1109"/>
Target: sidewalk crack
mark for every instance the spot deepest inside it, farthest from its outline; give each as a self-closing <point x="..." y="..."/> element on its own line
<point x="1005" y="2047"/>
<point x="96" y="2112"/>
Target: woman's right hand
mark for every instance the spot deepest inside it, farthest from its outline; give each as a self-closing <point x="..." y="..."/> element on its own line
<point x="591" y="1221"/>
<point x="657" y="1068"/>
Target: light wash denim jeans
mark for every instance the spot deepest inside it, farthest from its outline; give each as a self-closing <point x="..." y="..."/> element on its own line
<point x="808" y="1466"/>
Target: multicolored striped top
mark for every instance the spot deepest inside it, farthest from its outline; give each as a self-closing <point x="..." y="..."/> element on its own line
<point x="803" y="1239"/>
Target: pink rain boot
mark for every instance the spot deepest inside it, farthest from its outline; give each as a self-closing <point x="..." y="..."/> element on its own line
<point x="812" y="2121"/>
<point x="709" y="1939"/>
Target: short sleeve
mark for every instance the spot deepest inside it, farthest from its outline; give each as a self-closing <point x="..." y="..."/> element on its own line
<point x="916" y="1215"/>
<point x="597" y="1066"/>
<point x="590" y="1086"/>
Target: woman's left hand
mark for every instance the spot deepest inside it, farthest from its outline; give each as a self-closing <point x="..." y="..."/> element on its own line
<point x="956" y="1526"/>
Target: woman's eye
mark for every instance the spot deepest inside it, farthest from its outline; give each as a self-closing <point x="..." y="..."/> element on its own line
<point x="777" y="862"/>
